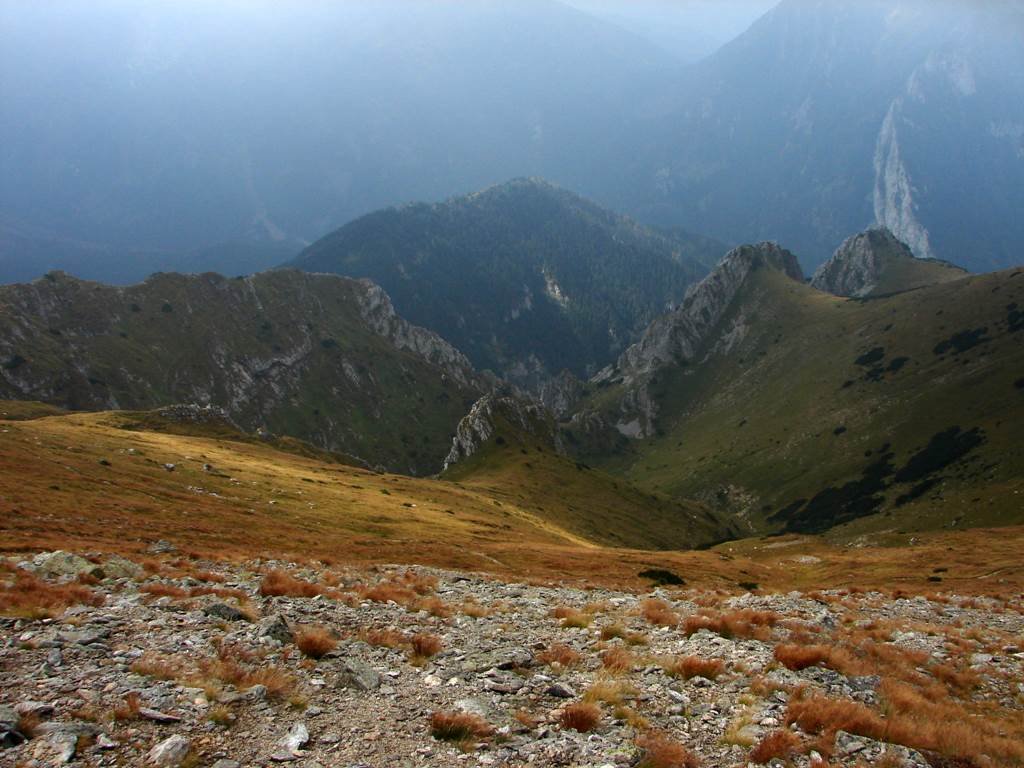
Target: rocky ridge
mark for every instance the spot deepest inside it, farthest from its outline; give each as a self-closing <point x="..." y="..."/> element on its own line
<point x="174" y="662"/>
<point x="484" y="419"/>
<point x="319" y="357"/>
<point x="867" y="264"/>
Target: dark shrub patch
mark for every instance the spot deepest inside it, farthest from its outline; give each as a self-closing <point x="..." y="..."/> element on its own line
<point x="917" y="491"/>
<point x="1014" y="319"/>
<point x="1019" y="383"/>
<point x="897" y="363"/>
<point x="872" y="357"/>
<point x="328" y="343"/>
<point x="942" y="450"/>
<point x="962" y="341"/>
<point x="661" y="576"/>
<point x="135" y="308"/>
<point x="839" y="431"/>
<point x="14" y="361"/>
<point x="167" y="308"/>
<point x="834" y="506"/>
<point x="750" y="586"/>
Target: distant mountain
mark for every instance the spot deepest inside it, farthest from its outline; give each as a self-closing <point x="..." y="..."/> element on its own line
<point x="173" y="127"/>
<point x="801" y="411"/>
<point x="876" y="263"/>
<point x="525" y="278"/>
<point x="317" y="357"/>
<point x="829" y="115"/>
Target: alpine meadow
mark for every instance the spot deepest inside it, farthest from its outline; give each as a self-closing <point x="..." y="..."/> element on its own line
<point x="481" y="383"/>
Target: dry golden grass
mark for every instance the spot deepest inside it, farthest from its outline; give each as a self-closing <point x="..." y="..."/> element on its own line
<point x="27" y="596"/>
<point x="688" y="667"/>
<point x="618" y="660"/>
<point x="315" y="642"/>
<point x="48" y="473"/>
<point x="662" y="751"/>
<point x="582" y="716"/>
<point x="278" y="583"/>
<point x="612" y="692"/>
<point x="435" y="607"/>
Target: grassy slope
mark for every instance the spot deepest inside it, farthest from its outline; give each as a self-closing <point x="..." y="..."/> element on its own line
<point x="902" y="274"/>
<point x="179" y="338"/>
<point x="523" y="471"/>
<point x="764" y="416"/>
<point x="56" y="493"/>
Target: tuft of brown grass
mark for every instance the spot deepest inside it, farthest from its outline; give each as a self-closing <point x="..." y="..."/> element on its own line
<point x="960" y="681"/>
<point x="315" y="642"/>
<point x="27" y="596"/>
<point x="688" y="667"/>
<point x="435" y="606"/>
<point x="387" y="592"/>
<point x="158" y="666"/>
<point x="474" y="610"/>
<point x="659" y="613"/>
<point x="425" y="645"/>
<point x="582" y="716"/>
<point x="278" y="583"/>
<point x="159" y="589"/>
<point x="618" y="660"/>
<point x="383" y="638"/>
<point x="129" y="707"/>
<point x="798" y="657"/>
<point x="221" y="715"/>
<point x="781" y="745"/>
<point x="28" y="725"/>
<point x="559" y="654"/>
<point x="746" y="623"/>
<point x="662" y="751"/>
<point x="462" y="728"/>
<point x="611" y="692"/>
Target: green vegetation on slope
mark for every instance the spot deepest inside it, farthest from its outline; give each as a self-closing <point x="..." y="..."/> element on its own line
<point x="524" y="278"/>
<point x="518" y="468"/>
<point x="897" y="413"/>
<point x="290" y="353"/>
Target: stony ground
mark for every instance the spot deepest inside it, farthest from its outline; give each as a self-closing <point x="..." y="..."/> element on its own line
<point x="179" y="662"/>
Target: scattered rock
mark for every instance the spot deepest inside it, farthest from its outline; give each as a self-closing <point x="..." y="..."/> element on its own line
<point x="171" y="752"/>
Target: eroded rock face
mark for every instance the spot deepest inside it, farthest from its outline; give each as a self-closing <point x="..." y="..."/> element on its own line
<point x="683" y="335"/>
<point x="481" y="424"/>
<point x="855" y="268"/>
<point x="678" y="335"/>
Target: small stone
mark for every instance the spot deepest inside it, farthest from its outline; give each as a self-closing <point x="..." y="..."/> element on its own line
<point x="561" y="691"/>
<point x="225" y="612"/>
<point x="275" y="628"/>
<point x="171" y="752"/>
<point x="359" y="675"/>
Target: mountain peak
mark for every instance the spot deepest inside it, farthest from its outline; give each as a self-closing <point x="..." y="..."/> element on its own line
<point x="679" y="334"/>
<point x="876" y="262"/>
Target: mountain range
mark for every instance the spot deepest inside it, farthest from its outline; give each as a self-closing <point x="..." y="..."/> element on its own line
<point x="823" y="118"/>
<point x="525" y="278"/>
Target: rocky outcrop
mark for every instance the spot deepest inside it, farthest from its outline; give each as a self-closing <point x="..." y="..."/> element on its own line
<point x="679" y="335"/>
<point x="562" y="394"/>
<point x="876" y="262"/>
<point x="486" y="417"/>
<point x="376" y="309"/>
<point x="857" y="265"/>
<point x="684" y="335"/>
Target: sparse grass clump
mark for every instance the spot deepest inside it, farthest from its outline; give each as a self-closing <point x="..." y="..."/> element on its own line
<point x="662" y="751"/>
<point x="618" y="660"/>
<point x="278" y="583"/>
<point x="315" y="642"/>
<point x="159" y="589"/>
<point x="129" y="708"/>
<point x="383" y="638"/>
<point x="781" y="744"/>
<point x="24" y="595"/>
<point x="745" y="623"/>
<point x="463" y="728"/>
<point x="559" y="655"/>
<point x="688" y="667"/>
<point x="582" y="716"/>
<point x="659" y="613"/>
<point x="424" y="646"/>
<point x="158" y="666"/>
<point x="611" y="692"/>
